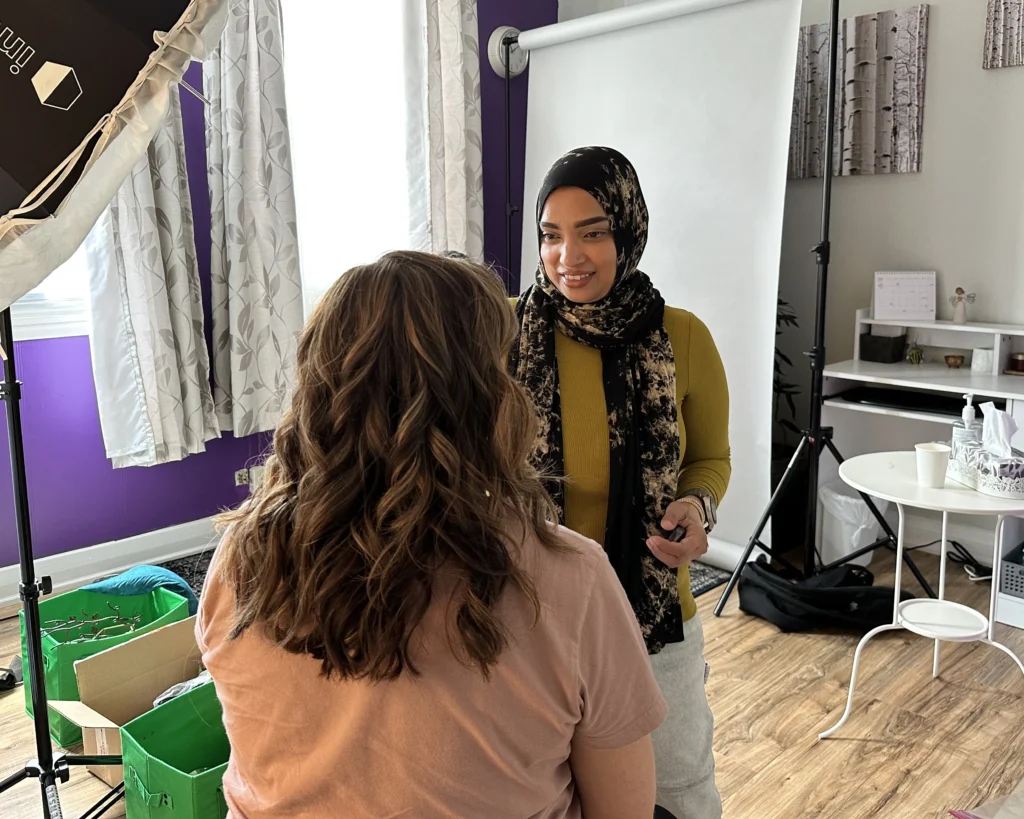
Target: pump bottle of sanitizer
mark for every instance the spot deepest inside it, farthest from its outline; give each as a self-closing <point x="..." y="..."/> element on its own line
<point x="968" y="429"/>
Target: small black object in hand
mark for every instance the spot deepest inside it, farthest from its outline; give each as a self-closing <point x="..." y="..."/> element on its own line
<point x="677" y="534"/>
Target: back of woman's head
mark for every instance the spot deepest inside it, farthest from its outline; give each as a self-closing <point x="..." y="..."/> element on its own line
<point x="404" y="450"/>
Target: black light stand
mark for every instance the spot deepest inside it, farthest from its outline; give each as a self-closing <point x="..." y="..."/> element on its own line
<point x="510" y="208"/>
<point x="48" y="768"/>
<point x="816" y="437"/>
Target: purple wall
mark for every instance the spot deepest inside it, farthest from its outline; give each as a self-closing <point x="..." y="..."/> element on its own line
<point x="76" y="498"/>
<point x="524" y="15"/>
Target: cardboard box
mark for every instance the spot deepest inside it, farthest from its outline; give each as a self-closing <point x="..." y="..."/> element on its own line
<point x="120" y="684"/>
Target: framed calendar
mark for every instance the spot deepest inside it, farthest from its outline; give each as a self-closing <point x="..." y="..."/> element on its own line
<point x="906" y="295"/>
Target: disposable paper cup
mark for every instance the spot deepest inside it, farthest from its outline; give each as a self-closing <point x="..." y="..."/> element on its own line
<point x="932" y="460"/>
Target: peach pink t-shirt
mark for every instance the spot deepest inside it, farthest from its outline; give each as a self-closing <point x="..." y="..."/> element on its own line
<point x="447" y="743"/>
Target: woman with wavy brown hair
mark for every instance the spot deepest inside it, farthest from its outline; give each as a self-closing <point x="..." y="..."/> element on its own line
<point x="393" y="625"/>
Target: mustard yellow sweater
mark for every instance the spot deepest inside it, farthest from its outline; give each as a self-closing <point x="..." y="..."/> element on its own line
<point x="702" y="397"/>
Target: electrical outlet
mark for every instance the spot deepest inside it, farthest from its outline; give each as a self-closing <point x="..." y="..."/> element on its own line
<point x="242" y="477"/>
<point x="255" y="477"/>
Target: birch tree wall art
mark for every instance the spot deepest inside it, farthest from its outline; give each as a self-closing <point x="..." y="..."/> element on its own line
<point x="1004" y="34"/>
<point x="879" y="96"/>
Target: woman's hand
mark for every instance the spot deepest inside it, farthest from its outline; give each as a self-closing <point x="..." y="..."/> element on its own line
<point x="691" y="547"/>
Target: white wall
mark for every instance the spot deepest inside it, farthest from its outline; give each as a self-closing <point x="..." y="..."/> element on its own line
<point x="962" y="215"/>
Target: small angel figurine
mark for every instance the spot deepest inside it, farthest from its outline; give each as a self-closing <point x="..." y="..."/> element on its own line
<point x="960" y="300"/>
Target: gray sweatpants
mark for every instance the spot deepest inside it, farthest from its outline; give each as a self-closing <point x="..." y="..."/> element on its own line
<point x="682" y="744"/>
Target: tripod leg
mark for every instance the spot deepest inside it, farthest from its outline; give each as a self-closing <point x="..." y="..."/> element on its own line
<point x="13" y="780"/>
<point x="105" y="804"/>
<point x="765" y="516"/>
<point x="886" y="528"/>
<point x="922" y="581"/>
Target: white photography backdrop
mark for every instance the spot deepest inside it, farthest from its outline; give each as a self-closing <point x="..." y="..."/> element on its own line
<point x="698" y="94"/>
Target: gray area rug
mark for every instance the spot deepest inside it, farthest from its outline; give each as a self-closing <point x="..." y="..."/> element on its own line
<point x="192" y="569"/>
<point x="704" y="578"/>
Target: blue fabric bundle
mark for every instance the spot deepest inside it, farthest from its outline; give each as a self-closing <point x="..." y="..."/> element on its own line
<point x="144" y="579"/>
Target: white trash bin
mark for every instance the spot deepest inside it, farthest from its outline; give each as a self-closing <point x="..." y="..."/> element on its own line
<point x="847" y="523"/>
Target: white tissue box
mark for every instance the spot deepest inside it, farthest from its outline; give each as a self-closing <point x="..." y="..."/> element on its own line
<point x="975" y="467"/>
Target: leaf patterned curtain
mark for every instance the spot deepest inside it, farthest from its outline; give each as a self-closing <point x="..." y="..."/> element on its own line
<point x="149" y="357"/>
<point x="443" y="101"/>
<point x="256" y="284"/>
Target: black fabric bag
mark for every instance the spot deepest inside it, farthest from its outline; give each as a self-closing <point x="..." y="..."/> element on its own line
<point x="842" y="597"/>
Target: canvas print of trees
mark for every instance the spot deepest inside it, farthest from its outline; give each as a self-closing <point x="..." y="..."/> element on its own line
<point x="1004" y="34"/>
<point x="879" y="97"/>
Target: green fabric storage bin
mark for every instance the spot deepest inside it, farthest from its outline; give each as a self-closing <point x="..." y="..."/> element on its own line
<point x="164" y="747"/>
<point x="158" y="608"/>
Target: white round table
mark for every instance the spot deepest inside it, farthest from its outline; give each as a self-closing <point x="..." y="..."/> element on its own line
<point x="892" y="476"/>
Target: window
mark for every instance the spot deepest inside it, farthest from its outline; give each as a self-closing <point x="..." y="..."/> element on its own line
<point x="345" y="79"/>
<point x="59" y="306"/>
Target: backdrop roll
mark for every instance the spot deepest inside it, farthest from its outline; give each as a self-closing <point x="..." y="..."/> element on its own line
<point x="698" y="94"/>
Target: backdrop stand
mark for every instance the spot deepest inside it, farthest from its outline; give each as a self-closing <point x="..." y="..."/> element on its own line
<point x="510" y="208"/>
<point x="49" y="768"/>
<point x="817" y="438"/>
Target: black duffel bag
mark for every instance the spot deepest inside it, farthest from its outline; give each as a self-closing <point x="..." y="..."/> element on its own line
<point x="842" y="597"/>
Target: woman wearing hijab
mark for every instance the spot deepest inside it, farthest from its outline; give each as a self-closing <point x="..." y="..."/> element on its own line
<point x="633" y="411"/>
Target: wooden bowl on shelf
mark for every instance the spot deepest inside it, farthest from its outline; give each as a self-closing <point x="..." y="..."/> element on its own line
<point x="954" y="362"/>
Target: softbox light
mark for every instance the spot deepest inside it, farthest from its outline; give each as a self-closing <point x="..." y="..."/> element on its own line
<point x="84" y="86"/>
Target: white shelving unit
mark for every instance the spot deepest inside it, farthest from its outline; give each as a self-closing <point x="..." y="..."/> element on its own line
<point x="932" y="377"/>
<point x="860" y="428"/>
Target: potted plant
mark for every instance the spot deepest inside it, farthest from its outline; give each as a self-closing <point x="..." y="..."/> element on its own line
<point x="790" y="510"/>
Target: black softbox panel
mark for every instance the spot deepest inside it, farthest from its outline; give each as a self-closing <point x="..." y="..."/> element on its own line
<point x="64" y="65"/>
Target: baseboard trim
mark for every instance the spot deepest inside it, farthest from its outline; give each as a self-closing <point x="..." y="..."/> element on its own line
<point x="72" y="570"/>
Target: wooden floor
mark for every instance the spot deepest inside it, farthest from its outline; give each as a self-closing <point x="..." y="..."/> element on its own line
<point x="913" y="748"/>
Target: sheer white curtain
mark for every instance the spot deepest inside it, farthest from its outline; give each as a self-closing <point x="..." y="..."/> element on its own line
<point x="445" y="145"/>
<point x="385" y="131"/>
<point x="149" y="358"/>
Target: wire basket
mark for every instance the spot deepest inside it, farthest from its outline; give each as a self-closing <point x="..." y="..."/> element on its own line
<point x="1011" y="576"/>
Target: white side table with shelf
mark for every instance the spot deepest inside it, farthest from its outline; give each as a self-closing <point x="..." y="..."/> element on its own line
<point x="861" y="428"/>
<point x="892" y="476"/>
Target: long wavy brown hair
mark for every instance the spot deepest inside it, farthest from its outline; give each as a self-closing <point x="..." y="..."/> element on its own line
<point x="404" y="450"/>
